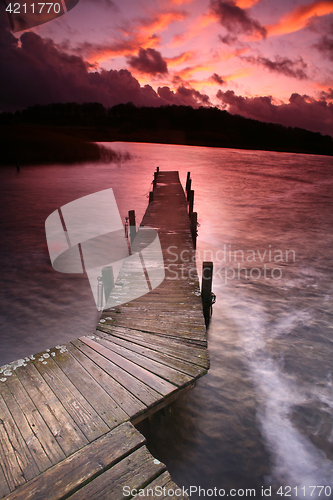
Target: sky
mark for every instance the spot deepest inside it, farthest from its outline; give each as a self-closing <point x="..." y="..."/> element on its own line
<point x="264" y="59"/>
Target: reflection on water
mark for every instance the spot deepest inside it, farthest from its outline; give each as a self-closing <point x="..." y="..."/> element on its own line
<point x="263" y="413"/>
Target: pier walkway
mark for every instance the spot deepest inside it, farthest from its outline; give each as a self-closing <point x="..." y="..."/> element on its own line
<point x="67" y="415"/>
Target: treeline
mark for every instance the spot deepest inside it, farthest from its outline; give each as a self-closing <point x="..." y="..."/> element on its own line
<point x="170" y="124"/>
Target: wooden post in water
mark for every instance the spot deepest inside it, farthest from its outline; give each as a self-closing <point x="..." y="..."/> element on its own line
<point x="191" y="202"/>
<point x="206" y="290"/>
<point x="108" y="281"/>
<point x="187" y="181"/>
<point x="157" y="169"/>
<point x="155" y="180"/>
<point x="194" y="224"/>
<point x="132" y="226"/>
<point x="188" y="190"/>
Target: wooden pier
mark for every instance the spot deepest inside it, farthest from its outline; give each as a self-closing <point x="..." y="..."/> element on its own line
<point x="67" y="415"/>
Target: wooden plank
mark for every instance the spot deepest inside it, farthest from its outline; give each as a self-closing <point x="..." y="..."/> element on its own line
<point x="82" y="413"/>
<point x="36" y="449"/>
<point x="66" y="432"/>
<point x="16" y="460"/>
<point x="162" y="328"/>
<point x="34" y="419"/>
<point x="131" y="405"/>
<point x="178" y="364"/>
<point x="141" y="391"/>
<point x="148" y="378"/>
<point x="66" y="477"/>
<point x="4" y="488"/>
<point x="161" y="488"/>
<point x="195" y="355"/>
<point x="164" y="371"/>
<point x="134" y="472"/>
<point x="103" y="404"/>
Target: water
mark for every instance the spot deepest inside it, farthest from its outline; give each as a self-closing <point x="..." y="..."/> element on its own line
<point x="262" y="416"/>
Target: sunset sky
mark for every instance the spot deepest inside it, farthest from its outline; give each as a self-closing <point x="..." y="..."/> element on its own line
<point x="262" y="59"/>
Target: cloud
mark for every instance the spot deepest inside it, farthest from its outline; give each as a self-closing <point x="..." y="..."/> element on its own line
<point x="325" y="45"/>
<point x="143" y="33"/>
<point x="127" y="47"/>
<point x="37" y="72"/>
<point x="161" y="21"/>
<point x="300" y="111"/>
<point x="181" y="2"/>
<point x="197" y="28"/>
<point x="215" y="78"/>
<point x="235" y="19"/>
<point x="148" y="61"/>
<point x="300" y="17"/>
<point x="228" y="39"/>
<point x="246" y="4"/>
<point x="184" y="96"/>
<point x="183" y="57"/>
<point x="327" y="94"/>
<point x="283" y="65"/>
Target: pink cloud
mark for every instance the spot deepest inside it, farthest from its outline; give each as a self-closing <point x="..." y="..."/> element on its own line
<point x="300" y="111"/>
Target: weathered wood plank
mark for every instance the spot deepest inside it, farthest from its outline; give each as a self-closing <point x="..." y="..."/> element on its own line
<point x="82" y="413"/>
<point x="73" y="472"/>
<point x="4" y="488"/>
<point x="103" y="404"/>
<point x="163" y="329"/>
<point x="157" y="355"/>
<point x="162" y="488"/>
<point x="35" y="420"/>
<point x="148" y="378"/>
<point x="66" y="432"/>
<point x="37" y="451"/>
<point x="131" y="405"/>
<point x="164" y="371"/>
<point x="16" y="460"/>
<point x="141" y="391"/>
<point x="194" y="354"/>
<point x="132" y="473"/>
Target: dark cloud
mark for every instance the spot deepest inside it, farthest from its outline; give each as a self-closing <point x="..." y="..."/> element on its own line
<point x="228" y="39"/>
<point x="217" y="79"/>
<point x="300" y="111"/>
<point x="236" y="20"/>
<point x="148" y="61"/>
<point x="284" y="65"/>
<point x="37" y="72"/>
<point x="325" y="45"/>
<point x="184" y="96"/>
<point x="327" y="94"/>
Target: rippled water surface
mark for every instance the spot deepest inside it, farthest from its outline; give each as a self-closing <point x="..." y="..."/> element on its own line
<point x="262" y="416"/>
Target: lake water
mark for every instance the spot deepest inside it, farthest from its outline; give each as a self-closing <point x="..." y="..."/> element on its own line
<point x="263" y="415"/>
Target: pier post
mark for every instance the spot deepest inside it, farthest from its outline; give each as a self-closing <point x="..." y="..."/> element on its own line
<point x="108" y="281"/>
<point x="187" y="181"/>
<point x="191" y="202"/>
<point x="151" y="196"/>
<point x="206" y="290"/>
<point x="132" y="226"/>
<point x="99" y="293"/>
<point x="188" y="189"/>
<point x="194" y="224"/>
